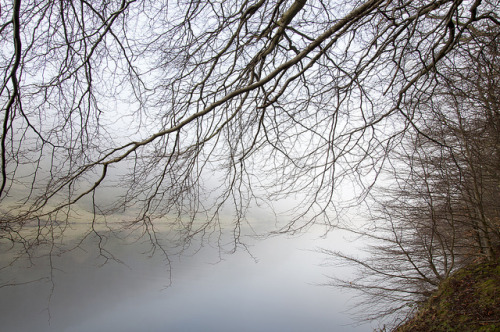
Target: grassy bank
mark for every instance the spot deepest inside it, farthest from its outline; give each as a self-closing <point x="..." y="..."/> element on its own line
<point x="468" y="301"/>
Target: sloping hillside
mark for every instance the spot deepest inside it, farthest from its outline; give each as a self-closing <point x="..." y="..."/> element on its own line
<point x="468" y="301"/>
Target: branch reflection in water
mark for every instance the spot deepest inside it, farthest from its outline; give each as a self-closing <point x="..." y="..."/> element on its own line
<point x="275" y="290"/>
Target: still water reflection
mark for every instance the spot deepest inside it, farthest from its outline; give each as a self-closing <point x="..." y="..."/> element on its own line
<point x="274" y="291"/>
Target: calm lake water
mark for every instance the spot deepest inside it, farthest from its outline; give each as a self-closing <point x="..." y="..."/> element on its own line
<point x="275" y="290"/>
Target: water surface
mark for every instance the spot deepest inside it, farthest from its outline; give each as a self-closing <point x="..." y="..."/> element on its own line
<point x="274" y="288"/>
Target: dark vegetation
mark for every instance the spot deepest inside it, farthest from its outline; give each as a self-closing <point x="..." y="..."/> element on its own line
<point x="469" y="300"/>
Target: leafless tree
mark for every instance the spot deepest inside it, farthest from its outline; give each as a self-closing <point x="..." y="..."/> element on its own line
<point x="266" y="99"/>
<point x="439" y="208"/>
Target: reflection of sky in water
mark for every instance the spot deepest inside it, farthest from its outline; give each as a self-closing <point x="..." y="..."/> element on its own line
<point x="276" y="293"/>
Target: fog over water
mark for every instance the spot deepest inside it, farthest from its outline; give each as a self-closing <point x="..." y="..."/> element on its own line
<point x="275" y="290"/>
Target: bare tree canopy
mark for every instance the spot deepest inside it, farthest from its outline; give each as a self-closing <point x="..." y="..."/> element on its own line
<point x="266" y="99"/>
<point x="439" y="209"/>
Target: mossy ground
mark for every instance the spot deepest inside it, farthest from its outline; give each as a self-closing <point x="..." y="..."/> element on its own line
<point x="468" y="301"/>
